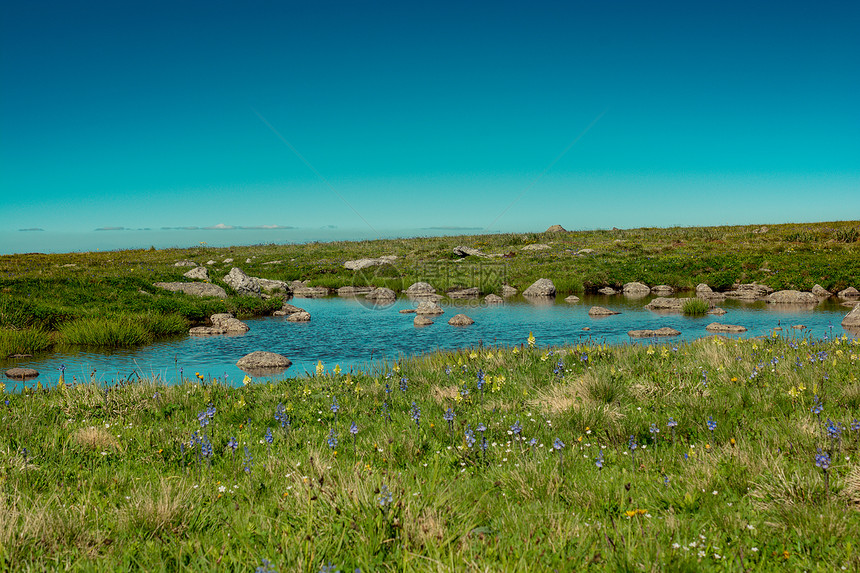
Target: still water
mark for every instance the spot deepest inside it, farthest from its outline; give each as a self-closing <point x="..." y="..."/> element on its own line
<point x="346" y="332"/>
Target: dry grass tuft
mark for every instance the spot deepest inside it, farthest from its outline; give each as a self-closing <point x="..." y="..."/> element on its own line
<point x="158" y="508"/>
<point x="96" y="439"/>
<point x="851" y="491"/>
<point x="444" y="396"/>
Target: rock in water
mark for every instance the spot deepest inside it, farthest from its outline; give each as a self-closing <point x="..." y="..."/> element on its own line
<point x="460" y="320"/>
<point x="21" y="373"/>
<point x="429" y="308"/>
<point x="420" y="288"/>
<point x="241" y="283"/>
<point x="572" y="299"/>
<point x="508" y="291"/>
<point x="648" y="333"/>
<point x="792" y="297"/>
<point x="263" y="363"/>
<point x="493" y="299"/>
<point x="819" y="290"/>
<point x="600" y="311"/>
<point x="636" y="289"/>
<point x="381" y="294"/>
<point x="852" y="320"/>
<point x="541" y="287"/>
<point x="731" y="328"/>
<point x="849" y="293"/>
<point x="421" y="320"/>
<point x="607" y="291"/>
<point x="302" y="316"/>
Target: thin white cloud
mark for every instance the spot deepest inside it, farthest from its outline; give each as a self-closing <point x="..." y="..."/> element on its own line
<point x="31" y="229"/>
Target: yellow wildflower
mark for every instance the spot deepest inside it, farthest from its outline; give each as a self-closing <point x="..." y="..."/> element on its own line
<point x="531" y="339"/>
<point x="320" y="368"/>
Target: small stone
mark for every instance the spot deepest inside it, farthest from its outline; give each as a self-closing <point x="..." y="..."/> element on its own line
<point x="586" y="328"/>
<point x="536" y="247"/>
<point x="421" y="320"/>
<point x="607" y="291"/>
<point x="185" y="263"/>
<point x="636" y="289"/>
<point x="493" y="299"/>
<point x="21" y="373"/>
<point x="460" y="320"/>
<point x="206" y="331"/>
<point x="717" y="311"/>
<point x="572" y="299"/>
<point x="649" y="333"/>
<point x="662" y="290"/>
<point x="601" y="311"/>
<point x="261" y="362"/>
<point x="420" y="288"/>
<point x="198" y="273"/>
<point x="798" y="326"/>
<point x="302" y="316"/>
<point x="730" y="328"/>
<point x="381" y="294"/>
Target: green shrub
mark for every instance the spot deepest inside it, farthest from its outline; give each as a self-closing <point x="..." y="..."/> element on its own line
<point x="113" y="331"/>
<point x="695" y="307"/>
<point x="161" y="325"/>
<point x="26" y="341"/>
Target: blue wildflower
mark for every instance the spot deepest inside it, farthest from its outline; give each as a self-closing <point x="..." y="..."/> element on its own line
<point x="332" y="439"/>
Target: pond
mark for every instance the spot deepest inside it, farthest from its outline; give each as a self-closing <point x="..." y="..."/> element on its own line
<point x="347" y="332"/>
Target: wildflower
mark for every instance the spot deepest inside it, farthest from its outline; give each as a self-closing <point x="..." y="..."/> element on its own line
<point x="559" y="369"/>
<point x="249" y="461"/>
<point x="654" y="430"/>
<point x="711" y="424"/>
<point x="470" y="437"/>
<point x="332" y="439"/>
<point x="817" y="407"/>
<point x="531" y="340"/>
<point x="516" y="429"/>
<point x="265" y="567"/>
<point x="558" y="444"/>
<point x="822" y="460"/>
<point x="353" y="429"/>
<point x="206" y="447"/>
<point x="334" y="405"/>
<point x="268" y="437"/>
<point x="598" y="461"/>
<point x="320" y="368"/>
<point x="447" y="370"/>
<point x="403" y="383"/>
<point x="416" y="413"/>
<point x="855" y="425"/>
<point x="481" y="380"/>
<point x="385" y="496"/>
<point x="232" y="444"/>
<point x="632" y="444"/>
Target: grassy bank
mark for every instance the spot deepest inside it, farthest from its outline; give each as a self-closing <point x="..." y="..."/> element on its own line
<point x="714" y="455"/>
<point x="51" y="291"/>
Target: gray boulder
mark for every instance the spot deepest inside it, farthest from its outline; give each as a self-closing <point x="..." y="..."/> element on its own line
<point x="730" y="328"/>
<point x="556" y="229"/>
<point x="541" y="287"/>
<point x="472" y="292"/>
<point x="820" y="291"/>
<point x="607" y="291"/>
<point x="198" y="273"/>
<point x="361" y="264"/>
<point x="269" y="285"/>
<point x="241" y="283"/>
<point x="636" y="289"/>
<point x="420" y="288"/>
<point x="717" y="311"/>
<point x="601" y="311"/>
<point x="649" y="333"/>
<point x="304" y="291"/>
<point x="460" y="320"/>
<point x="852" y="319"/>
<point x="302" y="316"/>
<point x="228" y="323"/>
<point x="185" y="263"/>
<point x="508" y="291"/>
<point x="702" y="288"/>
<point x="493" y="299"/>
<point x="263" y="363"/>
<point x="206" y="331"/>
<point x="429" y="307"/>
<point x="849" y="293"/>
<point x="572" y="299"/>
<point x="662" y="290"/>
<point x="421" y="320"/>
<point x="792" y="297"/>
<point x="583" y="252"/>
<point x="353" y="290"/>
<point x="194" y="289"/>
<point x="462" y="251"/>
<point x="21" y="373"/>
<point x="381" y="294"/>
<point x="749" y="291"/>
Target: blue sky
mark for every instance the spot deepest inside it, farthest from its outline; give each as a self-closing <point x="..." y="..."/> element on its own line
<point x="345" y="119"/>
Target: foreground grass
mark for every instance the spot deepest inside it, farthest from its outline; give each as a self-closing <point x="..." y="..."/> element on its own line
<point x="48" y="292"/>
<point x="364" y="470"/>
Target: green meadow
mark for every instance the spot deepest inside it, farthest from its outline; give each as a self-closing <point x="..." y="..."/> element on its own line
<point x="107" y="299"/>
<point x="717" y="455"/>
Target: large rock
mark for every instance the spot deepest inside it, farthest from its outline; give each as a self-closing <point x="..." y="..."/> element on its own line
<point x="381" y="294"/>
<point x="636" y="289"/>
<point x="263" y="363"/>
<point x="21" y="373"/>
<point x="301" y="316"/>
<point x="420" y="288"/>
<point x="198" y="273"/>
<point x="820" y="291"/>
<point x="541" y="287"/>
<point x="601" y="311"/>
<point x="206" y="331"/>
<point x="472" y="292"/>
<point x="702" y="288"/>
<point x="665" y="303"/>
<point x="852" y="319"/>
<point x="228" y="323"/>
<point x="270" y="285"/>
<point x="508" y="291"/>
<point x="648" y="333"/>
<point x="241" y="283"/>
<point x="792" y="297"/>
<point x="194" y="289"/>
<point x="572" y="299"/>
<point x="749" y="291"/>
<point x="304" y="291"/>
<point x="849" y="293"/>
<point x="462" y="251"/>
<point x="429" y="307"/>
<point x="354" y="290"/>
<point x="607" y="291"/>
<point x="185" y="263"/>
<point x="730" y="328"/>
<point x="556" y="229"/>
<point x="421" y="320"/>
<point x="536" y="247"/>
<point x="662" y="290"/>
<point x="460" y="320"/>
<point x="361" y="264"/>
<point x="493" y="299"/>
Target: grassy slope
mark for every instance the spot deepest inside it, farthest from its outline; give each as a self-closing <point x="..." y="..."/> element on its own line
<point x="106" y="483"/>
<point x="38" y="290"/>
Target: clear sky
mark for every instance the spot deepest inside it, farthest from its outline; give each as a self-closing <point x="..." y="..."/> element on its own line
<point x="355" y="119"/>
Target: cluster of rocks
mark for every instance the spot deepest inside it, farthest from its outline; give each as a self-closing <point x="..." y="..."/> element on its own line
<point x="221" y="323"/>
<point x="361" y="264"/>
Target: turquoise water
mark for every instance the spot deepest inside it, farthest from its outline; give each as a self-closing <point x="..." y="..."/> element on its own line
<point x="348" y="333"/>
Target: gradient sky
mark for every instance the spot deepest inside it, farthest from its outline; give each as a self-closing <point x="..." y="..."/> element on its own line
<point x="397" y="118"/>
